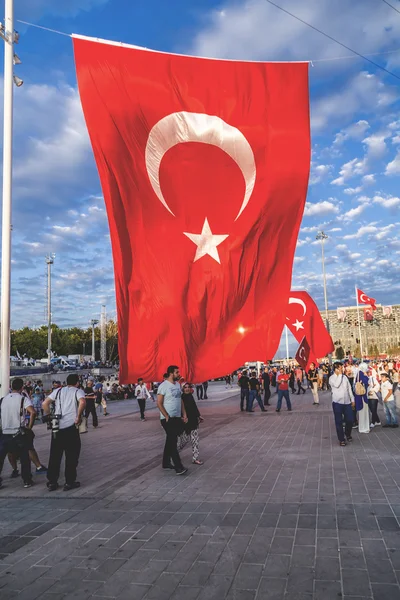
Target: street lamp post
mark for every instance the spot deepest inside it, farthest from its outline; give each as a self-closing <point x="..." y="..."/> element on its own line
<point x="49" y="261"/>
<point x="322" y="237"/>
<point x="93" y="323"/>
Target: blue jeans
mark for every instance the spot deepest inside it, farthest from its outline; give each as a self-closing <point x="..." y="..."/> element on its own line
<point x="254" y="395"/>
<point x="343" y="412"/>
<point x="283" y="394"/>
<point x="390" y="412"/>
<point x="244" y="395"/>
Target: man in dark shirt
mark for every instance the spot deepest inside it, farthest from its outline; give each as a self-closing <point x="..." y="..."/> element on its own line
<point x="244" y="390"/>
<point x="254" y="386"/>
<point x="266" y="387"/>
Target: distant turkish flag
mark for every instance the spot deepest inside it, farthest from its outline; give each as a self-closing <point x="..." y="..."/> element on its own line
<point x="204" y="168"/>
<point x="364" y="299"/>
<point x="304" y="318"/>
<point x="303" y="353"/>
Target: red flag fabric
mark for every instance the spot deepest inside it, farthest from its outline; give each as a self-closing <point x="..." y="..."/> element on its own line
<point x="303" y="353"/>
<point x="204" y="168"/>
<point x="304" y="318"/>
<point x="364" y="299"/>
<point x="368" y="314"/>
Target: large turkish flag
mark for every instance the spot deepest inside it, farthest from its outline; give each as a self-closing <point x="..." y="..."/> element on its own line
<point x="204" y="168"/>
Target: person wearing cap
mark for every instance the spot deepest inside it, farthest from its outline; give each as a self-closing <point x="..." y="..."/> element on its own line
<point x="361" y="399"/>
<point x="388" y="401"/>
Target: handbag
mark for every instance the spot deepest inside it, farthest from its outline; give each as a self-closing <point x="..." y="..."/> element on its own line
<point x="82" y="427"/>
<point x="360" y="388"/>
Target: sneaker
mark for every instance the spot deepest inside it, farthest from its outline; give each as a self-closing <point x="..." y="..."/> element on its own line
<point x="350" y="439"/>
<point x="181" y="471"/>
<point x="28" y="484"/>
<point x="15" y="474"/>
<point x="171" y="466"/>
<point x="386" y="425"/>
<point x="394" y="426"/>
<point x="355" y="426"/>
<point x="289" y="410"/>
<point x="143" y="419"/>
<point x="106" y="414"/>
<point x="71" y="486"/>
<point x="41" y="469"/>
<point x="377" y="424"/>
<point x="372" y="426"/>
<point x="52" y="487"/>
<point x="198" y="462"/>
<point x="278" y="410"/>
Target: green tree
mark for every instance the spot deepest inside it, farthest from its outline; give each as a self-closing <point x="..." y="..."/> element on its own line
<point x="339" y="352"/>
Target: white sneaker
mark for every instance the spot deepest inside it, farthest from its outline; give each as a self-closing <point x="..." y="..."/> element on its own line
<point x="372" y="426"/>
<point x="376" y="424"/>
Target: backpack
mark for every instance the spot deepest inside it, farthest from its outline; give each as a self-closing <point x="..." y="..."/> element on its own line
<point x="360" y="388"/>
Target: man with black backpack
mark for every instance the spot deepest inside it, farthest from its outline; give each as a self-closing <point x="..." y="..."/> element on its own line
<point x="15" y="437"/>
<point x="68" y="407"/>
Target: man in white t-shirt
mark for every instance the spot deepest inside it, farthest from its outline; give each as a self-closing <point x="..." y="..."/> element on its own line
<point x="388" y="401"/>
<point x="69" y="403"/>
<point x="172" y="411"/>
<point x="14" y="440"/>
<point x="142" y="394"/>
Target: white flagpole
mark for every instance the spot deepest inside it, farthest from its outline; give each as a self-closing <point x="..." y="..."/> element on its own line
<point x="7" y="197"/>
<point x="287" y="344"/>
<point x="359" y="323"/>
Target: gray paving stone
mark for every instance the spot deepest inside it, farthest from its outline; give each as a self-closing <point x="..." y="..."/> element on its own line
<point x="328" y="590"/>
<point x="248" y="577"/>
<point x="385" y="592"/>
<point x="303" y="556"/>
<point x="327" y="568"/>
<point x="355" y="582"/>
<point x="271" y="589"/>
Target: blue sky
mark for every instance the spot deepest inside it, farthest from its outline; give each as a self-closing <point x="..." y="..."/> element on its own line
<point x="353" y="193"/>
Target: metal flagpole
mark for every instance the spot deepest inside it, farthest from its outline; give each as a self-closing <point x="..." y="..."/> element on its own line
<point x="8" y="36"/>
<point x="359" y="323"/>
<point x="49" y="261"/>
<point x="321" y="237"/>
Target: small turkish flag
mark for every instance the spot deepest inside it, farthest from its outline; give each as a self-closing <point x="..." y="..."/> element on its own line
<point x="368" y="315"/>
<point x="204" y="168"/>
<point x="304" y="319"/>
<point x="364" y="299"/>
<point x="303" y="353"/>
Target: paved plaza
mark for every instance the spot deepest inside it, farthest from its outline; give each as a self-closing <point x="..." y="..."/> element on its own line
<point x="278" y="511"/>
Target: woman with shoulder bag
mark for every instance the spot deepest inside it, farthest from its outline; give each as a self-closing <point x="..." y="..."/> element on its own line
<point x="361" y="398"/>
<point x="373" y="389"/>
<point x="191" y="431"/>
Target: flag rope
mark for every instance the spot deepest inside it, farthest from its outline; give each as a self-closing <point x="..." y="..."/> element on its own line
<point x="310" y="61"/>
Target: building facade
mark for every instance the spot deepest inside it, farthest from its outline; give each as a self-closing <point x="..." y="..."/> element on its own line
<point x="378" y="335"/>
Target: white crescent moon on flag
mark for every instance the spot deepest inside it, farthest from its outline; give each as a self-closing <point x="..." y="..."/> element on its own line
<point x="298" y="301"/>
<point x="302" y="353"/>
<point x="363" y="299"/>
<point x="181" y="127"/>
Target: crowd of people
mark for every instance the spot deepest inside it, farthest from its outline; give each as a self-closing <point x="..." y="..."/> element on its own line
<point x="356" y="390"/>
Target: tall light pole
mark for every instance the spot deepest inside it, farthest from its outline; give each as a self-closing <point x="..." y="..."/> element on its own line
<point x="93" y="323"/>
<point x="103" y="334"/>
<point x="49" y="261"/>
<point x="322" y="237"/>
<point x="9" y="36"/>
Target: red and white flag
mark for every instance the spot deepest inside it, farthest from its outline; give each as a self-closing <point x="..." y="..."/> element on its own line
<point x="303" y="353"/>
<point x="304" y="319"/>
<point x="364" y="299"/>
<point x="204" y="168"/>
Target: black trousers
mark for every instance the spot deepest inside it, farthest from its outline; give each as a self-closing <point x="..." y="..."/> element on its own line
<point x="19" y="446"/>
<point x="373" y="407"/>
<point x="91" y="410"/>
<point x="142" y="406"/>
<point x="199" y="392"/>
<point x="205" y="387"/>
<point x="67" y="441"/>
<point x="300" y="387"/>
<point x="173" y="428"/>
<point x="267" y="396"/>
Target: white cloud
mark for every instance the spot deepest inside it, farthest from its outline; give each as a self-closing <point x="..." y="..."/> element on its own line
<point x="319" y="173"/>
<point x="354" y="131"/>
<point x="353" y="213"/>
<point x="350" y="169"/>
<point x="388" y="201"/>
<point x="393" y="168"/>
<point x="320" y="208"/>
<point x="363" y="231"/>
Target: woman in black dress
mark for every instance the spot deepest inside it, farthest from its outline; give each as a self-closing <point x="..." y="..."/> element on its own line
<point x="191" y="431"/>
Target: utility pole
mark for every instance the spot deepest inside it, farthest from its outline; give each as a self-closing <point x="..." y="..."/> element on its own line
<point x="322" y="237"/>
<point x="103" y="334"/>
<point x="49" y="261"/>
<point x="93" y="323"/>
<point x="9" y="37"/>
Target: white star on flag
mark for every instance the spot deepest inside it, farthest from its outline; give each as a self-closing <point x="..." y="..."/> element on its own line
<point x="206" y="242"/>
<point x="298" y="324"/>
